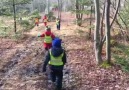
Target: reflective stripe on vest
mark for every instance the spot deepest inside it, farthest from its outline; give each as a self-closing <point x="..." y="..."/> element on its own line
<point x="57" y="61"/>
<point x="47" y="39"/>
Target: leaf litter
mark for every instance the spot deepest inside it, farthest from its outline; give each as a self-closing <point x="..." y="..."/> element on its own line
<point x="21" y="69"/>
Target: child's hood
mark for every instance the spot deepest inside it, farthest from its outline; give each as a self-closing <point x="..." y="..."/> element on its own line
<point x="48" y="33"/>
<point x="56" y="51"/>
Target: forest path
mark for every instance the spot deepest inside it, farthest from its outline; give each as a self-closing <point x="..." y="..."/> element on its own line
<point x="20" y="67"/>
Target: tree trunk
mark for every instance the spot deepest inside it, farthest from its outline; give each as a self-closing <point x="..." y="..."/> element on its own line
<point x="47" y="6"/>
<point x="107" y="28"/>
<point x="79" y="15"/>
<point x="14" y="11"/>
<point x="58" y="9"/>
<point x="102" y="24"/>
<point x="76" y="8"/>
<point x="90" y="21"/>
<point x="97" y="45"/>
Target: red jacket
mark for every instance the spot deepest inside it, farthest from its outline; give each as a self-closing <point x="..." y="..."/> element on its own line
<point x="48" y="33"/>
<point x="45" y="19"/>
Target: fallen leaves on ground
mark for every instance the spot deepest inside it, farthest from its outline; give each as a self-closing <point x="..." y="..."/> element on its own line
<point x="22" y="65"/>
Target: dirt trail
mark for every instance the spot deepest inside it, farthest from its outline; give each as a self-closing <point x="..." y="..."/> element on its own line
<point x="20" y="67"/>
<point x="22" y="64"/>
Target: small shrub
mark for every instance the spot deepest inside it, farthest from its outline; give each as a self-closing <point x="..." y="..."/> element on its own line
<point x="5" y="11"/>
<point x="27" y="25"/>
<point x="24" y="23"/>
<point x="51" y="16"/>
<point x="4" y="31"/>
<point x="35" y="14"/>
<point x="113" y="43"/>
<point x="31" y="26"/>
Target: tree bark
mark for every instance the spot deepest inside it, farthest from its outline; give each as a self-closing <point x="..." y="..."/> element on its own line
<point x="107" y="28"/>
<point x="79" y="14"/>
<point x="76" y="8"/>
<point x="14" y="11"/>
<point x="58" y="9"/>
<point x="102" y="20"/>
<point x="96" y="33"/>
<point x="90" y="21"/>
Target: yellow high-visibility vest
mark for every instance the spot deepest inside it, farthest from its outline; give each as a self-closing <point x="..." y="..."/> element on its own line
<point x="57" y="22"/>
<point x="36" y="20"/>
<point x="47" y="39"/>
<point x="45" y="20"/>
<point x="56" y="61"/>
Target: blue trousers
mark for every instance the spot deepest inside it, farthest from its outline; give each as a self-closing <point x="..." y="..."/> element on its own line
<point x="57" y="76"/>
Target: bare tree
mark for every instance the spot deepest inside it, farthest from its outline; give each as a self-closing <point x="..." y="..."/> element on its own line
<point x="91" y="19"/>
<point x="97" y="45"/>
<point x="59" y="8"/>
<point x="15" y="26"/>
<point x="79" y="8"/>
<point x="107" y="30"/>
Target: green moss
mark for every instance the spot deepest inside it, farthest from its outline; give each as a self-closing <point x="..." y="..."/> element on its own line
<point x="105" y="65"/>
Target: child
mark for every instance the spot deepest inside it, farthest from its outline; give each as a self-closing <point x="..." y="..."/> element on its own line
<point x="45" y="20"/>
<point x="36" y="21"/>
<point x="48" y="37"/>
<point x="56" y="58"/>
<point x="58" y="23"/>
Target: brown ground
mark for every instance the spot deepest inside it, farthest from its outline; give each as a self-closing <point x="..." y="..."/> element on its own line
<point x="20" y="67"/>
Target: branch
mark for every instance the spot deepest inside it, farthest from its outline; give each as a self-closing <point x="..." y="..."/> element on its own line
<point x="126" y="1"/>
<point x="101" y="28"/>
<point x="103" y="40"/>
<point x="115" y="13"/>
<point x="121" y="18"/>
